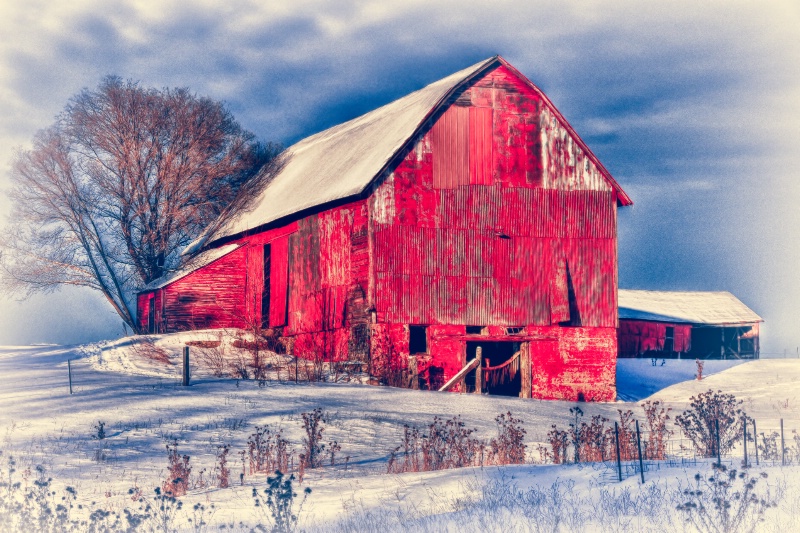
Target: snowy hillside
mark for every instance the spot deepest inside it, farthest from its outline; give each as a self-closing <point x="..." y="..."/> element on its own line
<point x="143" y="409"/>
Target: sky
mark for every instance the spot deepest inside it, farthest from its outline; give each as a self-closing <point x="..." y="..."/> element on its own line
<point x="694" y="109"/>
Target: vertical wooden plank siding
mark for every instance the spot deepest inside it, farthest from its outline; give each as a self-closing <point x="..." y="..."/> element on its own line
<point x="279" y="279"/>
<point x="450" y="145"/>
<point x="210" y="297"/>
<point x="254" y="284"/>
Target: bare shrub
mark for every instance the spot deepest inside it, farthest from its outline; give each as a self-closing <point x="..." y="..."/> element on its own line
<point x="277" y="505"/>
<point x="509" y="446"/>
<point x="411" y="452"/>
<point x="627" y="436"/>
<point x="656" y="416"/>
<point x="333" y="448"/>
<point x="711" y="412"/>
<point x="593" y="441"/>
<point x="179" y="471"/>
<point x="144" y="347"/>
<point x="221" y="470"/>
<point x="240" y="365"/>
<point x="258" y="344"/>
<point x="559" y="442"/>
<point x="212" y="355"/>
<point x="726" y="500"/>
<point x="268" y="451"/>
<point x="447" y="444"/>
<point x="314" y="426"/>
<point x="597" y="440"/>
<point x="700" y="366"/>
<point x="768" y="447"/>
<point x="545" y="455"/>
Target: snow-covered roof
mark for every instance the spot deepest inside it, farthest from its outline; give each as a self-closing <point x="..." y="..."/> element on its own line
<point x="711" y="308"/>
<point x="342" y="161"/>
<point x="199" y="261"/>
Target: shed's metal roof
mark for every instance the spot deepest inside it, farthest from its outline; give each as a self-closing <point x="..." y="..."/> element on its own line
<point x="342" y="161"/>
<point x="199" y="261"/>
<point x="711" y="308"/>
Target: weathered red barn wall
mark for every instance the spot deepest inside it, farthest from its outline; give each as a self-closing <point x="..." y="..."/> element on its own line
<point x="580" y="364"/>
<point x="636" y="337"/>
<point x="211" y="297"/>
<point x="328" y="283"/>
<point x="143" y="309"/>
<point x="488" y="221"/>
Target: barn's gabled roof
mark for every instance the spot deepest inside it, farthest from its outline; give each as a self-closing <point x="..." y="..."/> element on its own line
<point x="197" y="262"/>
<point x="706" y="308"/>
<point x="343" y="161"/>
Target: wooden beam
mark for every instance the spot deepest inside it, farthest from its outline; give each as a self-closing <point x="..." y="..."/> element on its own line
<point x="460" y="375"/>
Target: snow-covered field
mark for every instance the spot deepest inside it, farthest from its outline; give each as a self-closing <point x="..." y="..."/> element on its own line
<point x="143" y="407"/>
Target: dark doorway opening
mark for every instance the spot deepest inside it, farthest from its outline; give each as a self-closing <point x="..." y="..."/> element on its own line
<point x="151" y="316"/>
<point x="503" y="382"/>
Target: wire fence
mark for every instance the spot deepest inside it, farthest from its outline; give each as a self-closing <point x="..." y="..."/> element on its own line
<point x="636" y="453"/>
<point x="625" y="451"/>
<point x="785" y="354"/>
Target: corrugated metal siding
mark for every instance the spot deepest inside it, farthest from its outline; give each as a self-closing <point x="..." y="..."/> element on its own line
<point x="501" y="246"/>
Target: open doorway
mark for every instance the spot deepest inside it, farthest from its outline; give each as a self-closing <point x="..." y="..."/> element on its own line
<point x="504" y="381"/>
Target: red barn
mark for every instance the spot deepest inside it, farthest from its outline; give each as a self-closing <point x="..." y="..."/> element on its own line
<point x="688" y="324"/>
<point x="464" y="223"/>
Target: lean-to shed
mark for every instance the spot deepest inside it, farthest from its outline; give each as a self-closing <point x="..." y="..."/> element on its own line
<point x="464" y="223"/>
<point x="697" y="325"/>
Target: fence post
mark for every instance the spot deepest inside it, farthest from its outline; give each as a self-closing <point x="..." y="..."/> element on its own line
<point x="755" y="440"/>
<point x="619" y="460"/>
<point x="478" y="376"/>
<point x="745" y="441"/>
<point x="69" y="372"/>
<point x="719" y="448"/>
<point x="783" y="447"/>
<point x="295" y="368"/>
<point x="639" y="447"/>
<point x="185" y="381"/>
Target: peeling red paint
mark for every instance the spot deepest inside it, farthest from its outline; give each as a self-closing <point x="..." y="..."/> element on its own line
<point x="636" y="337"/>
<point x="496" y="217"/>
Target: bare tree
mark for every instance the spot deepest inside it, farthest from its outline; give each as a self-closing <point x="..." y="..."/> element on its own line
<point x="111" y="192"/>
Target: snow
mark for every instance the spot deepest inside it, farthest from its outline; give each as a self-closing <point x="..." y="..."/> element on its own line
<point x="144" y="407"/>
<point x="341" y="161"/>
<point x="197" y="262"/>
<point x="713" y="308"/>
<point x="639" y="378"/>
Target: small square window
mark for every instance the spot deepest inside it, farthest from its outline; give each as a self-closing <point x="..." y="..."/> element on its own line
<point x="417" y="339"/>
<point x="474" y="330"/>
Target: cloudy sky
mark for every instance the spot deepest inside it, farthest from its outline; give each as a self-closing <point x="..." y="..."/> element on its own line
<point x="694" y="110"/>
